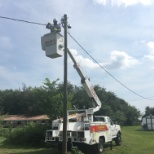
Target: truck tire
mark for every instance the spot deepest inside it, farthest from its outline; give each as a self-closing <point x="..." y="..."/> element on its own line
<point x="118" y="139"/>
<point x="101" y="146"/>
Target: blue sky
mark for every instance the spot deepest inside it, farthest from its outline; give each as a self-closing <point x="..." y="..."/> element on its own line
<point x="117" y="33"/>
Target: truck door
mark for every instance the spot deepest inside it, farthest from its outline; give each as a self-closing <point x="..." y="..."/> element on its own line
<point x="112" y="128"/>
<point x="87" y="133"/>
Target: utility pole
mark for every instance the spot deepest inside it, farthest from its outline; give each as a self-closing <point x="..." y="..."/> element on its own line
<point x="65" y="88"/>
<point x="54" y="49"/>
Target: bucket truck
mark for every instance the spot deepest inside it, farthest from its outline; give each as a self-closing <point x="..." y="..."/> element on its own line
<point x="85" y="130"/>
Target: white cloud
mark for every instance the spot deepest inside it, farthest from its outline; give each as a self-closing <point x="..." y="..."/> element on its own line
<point x="131" y="2"/>
<point x="150" y="56"/>
<point x="103" y="2"/>
<point x="84" y="61"/>
<point x="120" y="59"/>
<point x="152" y="68"/>
<point x="151" y="47"/>
<point x="124" y="2"/>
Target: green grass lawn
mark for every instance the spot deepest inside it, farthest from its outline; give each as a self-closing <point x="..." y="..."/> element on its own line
<point x="134" y="141"/>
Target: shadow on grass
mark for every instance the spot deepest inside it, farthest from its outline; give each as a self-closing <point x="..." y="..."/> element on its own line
<point x="139" y="130"/>
<point x="44" y="149"/>
<point x="29" y="150"/>
<point x="144" y="130"/>
<point x="20" y="149"/>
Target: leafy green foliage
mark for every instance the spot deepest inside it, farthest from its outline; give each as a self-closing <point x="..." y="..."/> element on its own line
<point x="149" y="111"/>
<point x="48" y="99"/>
<point x="31" y="134"/>
<point x="75" y="151"/>
<point x="4" y="132"/>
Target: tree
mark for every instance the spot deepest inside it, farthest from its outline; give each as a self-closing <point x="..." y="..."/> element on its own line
<point x="80" y="99"/>
<point x="120" y="117"/>
<point x="48" y="99"/>
<point x="1" y="103"/>
<point x="148" y="111"/>
<point x="132" y="116"/>
<point x="53" y="98"/>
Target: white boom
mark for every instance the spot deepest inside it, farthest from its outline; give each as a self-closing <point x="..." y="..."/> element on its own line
<point x="87" y="85"/>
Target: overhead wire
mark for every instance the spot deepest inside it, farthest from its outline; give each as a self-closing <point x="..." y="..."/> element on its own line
<point x="41" y="24"/>
<point x="21" y="20"/>
<point x="140" y="99"/>
<point x="106" y="70"/>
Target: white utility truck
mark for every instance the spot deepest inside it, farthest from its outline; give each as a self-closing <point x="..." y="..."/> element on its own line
<point x="84" y="130"/>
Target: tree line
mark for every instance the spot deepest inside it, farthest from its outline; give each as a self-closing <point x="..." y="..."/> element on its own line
<point x="48" y="99"/>
<point x="148" y="111"/>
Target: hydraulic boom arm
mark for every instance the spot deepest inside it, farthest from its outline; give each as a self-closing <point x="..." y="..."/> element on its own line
<point x="87" y="85"/>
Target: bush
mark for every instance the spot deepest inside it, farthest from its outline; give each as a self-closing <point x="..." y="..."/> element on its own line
<point x="75" y="151"/>
<point x="4" y="132"/>
<point x="30" y="134"/>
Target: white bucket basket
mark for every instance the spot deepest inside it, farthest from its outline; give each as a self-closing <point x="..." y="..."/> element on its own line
<point x="53" y="44"/>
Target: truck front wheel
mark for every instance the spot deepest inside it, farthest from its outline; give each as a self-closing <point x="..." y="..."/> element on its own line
<point x="101" y="145"/>
<point x="118" y="139"/>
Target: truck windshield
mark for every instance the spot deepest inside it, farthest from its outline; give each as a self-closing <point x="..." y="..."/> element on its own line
<point x="99" y="119"/>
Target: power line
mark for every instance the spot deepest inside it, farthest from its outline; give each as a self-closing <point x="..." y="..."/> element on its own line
<point x="106" y="70"/>
<point x="41" y="24"/>
<point x="21" y="20"/>
<point x="140" y="99"/>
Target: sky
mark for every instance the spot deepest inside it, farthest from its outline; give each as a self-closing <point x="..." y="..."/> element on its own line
<point x="118" y="34"/>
